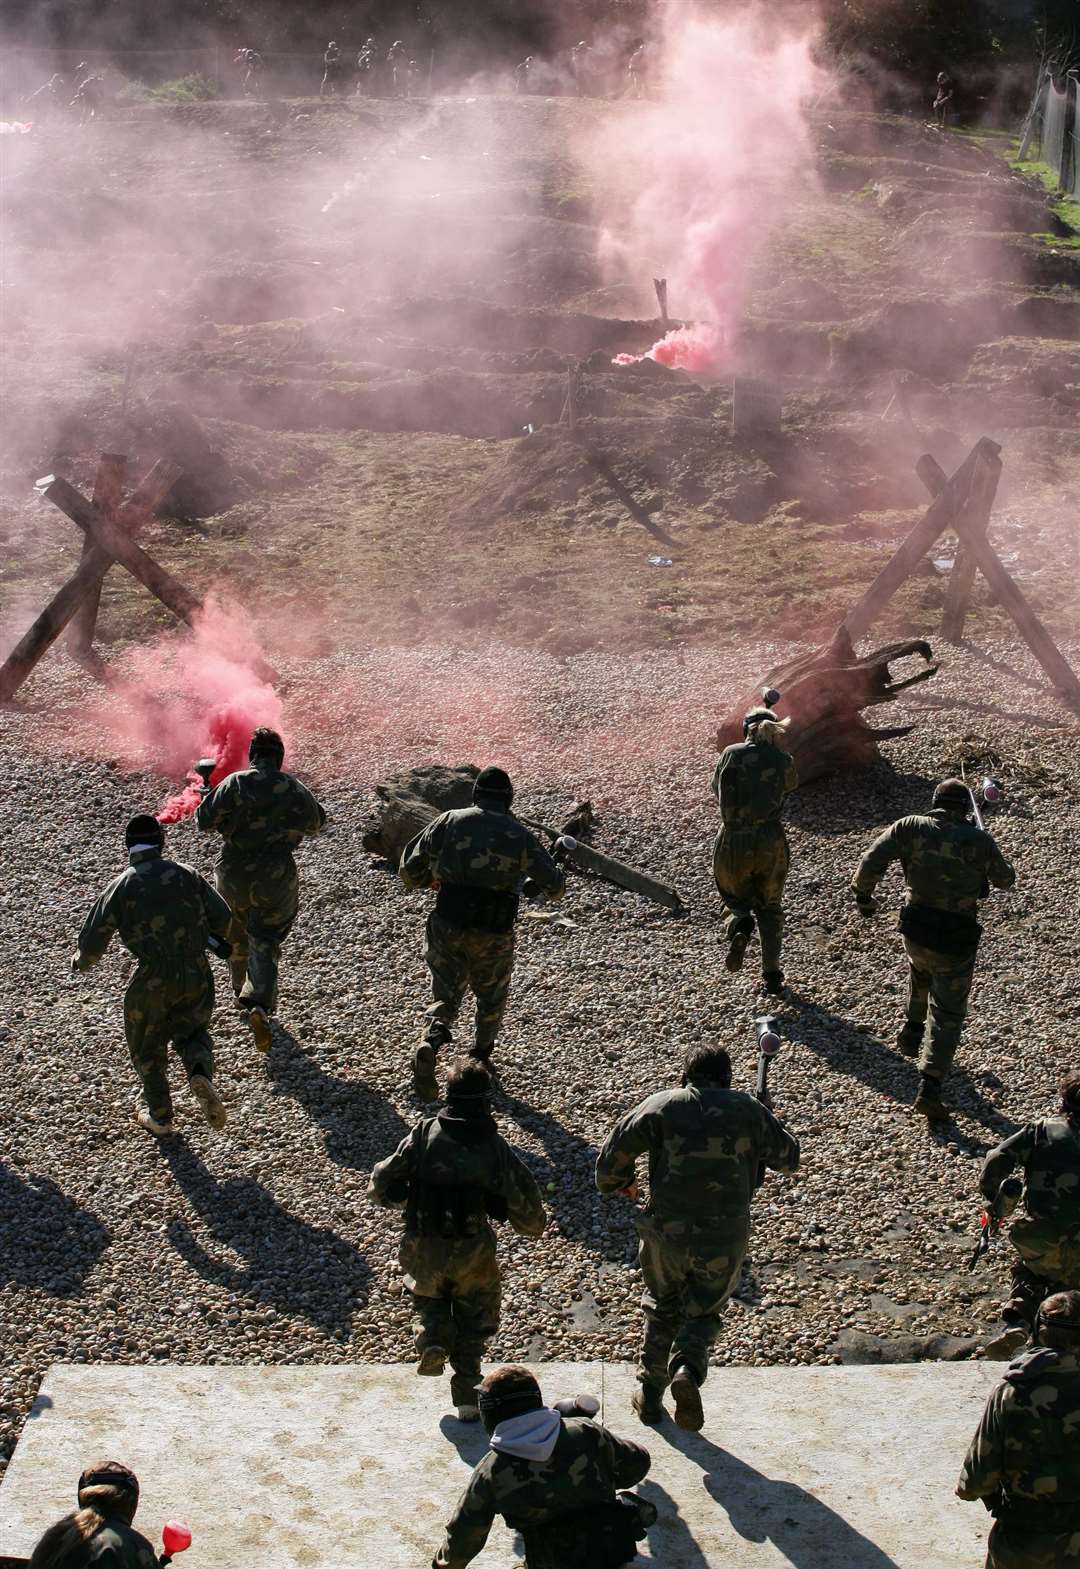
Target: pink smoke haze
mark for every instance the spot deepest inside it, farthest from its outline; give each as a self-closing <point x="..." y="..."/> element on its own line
<point x="199" y="693"/>
<point x="707" y="171"/>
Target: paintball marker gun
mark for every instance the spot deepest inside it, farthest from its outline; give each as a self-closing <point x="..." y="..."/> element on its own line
<point x="175" y="1538"/>
<point x="768" y="1041"/>
<point x="204" y="768"/>
<point x="1005" y="1201"/>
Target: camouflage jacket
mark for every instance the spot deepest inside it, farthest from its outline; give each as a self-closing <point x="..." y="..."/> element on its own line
<point x="444" y="1153"/>
<point x="163" y="911"/>
<point x="750" y="782"/>
<point x="480" y="847"/>
<point x="704" y="1145"/>
<point x="262" y="813"/>
<point x="115" y="1546"/>
<point x="1024" y="1457"/>
<point x="946" y="861"/>
<point x="1049" y="1151"/>
<point x="584" y="1470"/>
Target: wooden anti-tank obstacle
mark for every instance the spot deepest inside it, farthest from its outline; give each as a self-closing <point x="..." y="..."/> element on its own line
<point x="109" y="527"/>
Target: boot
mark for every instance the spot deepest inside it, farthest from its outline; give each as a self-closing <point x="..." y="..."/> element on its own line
<point x="689" y="1413"/>
<point x="928" y="1102"/>
<point x="468" y="1413"/>
<point x="432" y="1363"/>
<point x="482" y="1054"/>
<point x="213" y="1108"/>
<point x="648" y="1402"/>
<point x="425" y="1083"/>
<point x="259" y="1025"/>
<point x="160" y="1130"/>
<point x="909" y="1041"/>
<point x="773" y="982"/>
<point x="1008" y="1340"/>
<point x="736" y="951"/>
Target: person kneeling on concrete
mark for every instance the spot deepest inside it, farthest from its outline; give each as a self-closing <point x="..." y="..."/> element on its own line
<point x="554" y="1476"/>
<point x="1047" y="1236"/>
<point x="454" y="1174"/>
<point x="1023" y="1461"/>
<point x="99" y="1531"/>
<point x="167" y="916"/>
<point x="707" y="1145"/>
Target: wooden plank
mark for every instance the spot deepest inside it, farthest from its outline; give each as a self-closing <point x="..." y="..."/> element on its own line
<point x="940" y="514"/>
<point x="116" y="545"/>
<point x="61" y="608"/>
<point x="108" y="492"/>
<point x="975" y="519"/>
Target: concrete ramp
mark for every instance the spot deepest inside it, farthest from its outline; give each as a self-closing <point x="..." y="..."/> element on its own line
<point x="358" y="1467"/>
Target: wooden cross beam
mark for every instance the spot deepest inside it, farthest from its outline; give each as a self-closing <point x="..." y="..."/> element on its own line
<point x="108" y="492"/>
<point x="109" y="539"/>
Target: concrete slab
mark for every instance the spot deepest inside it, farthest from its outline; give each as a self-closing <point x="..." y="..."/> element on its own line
<point x="357" y="1467"/>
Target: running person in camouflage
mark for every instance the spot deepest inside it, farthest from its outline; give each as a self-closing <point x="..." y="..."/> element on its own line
<point x="100" y="1531"/>
<point x="262" y="814"/>
<point x="1047" y="1238"/>
<point x="750" y="857"/>
<point x="948" y="864"/>
<point x="478" y="859"/>
<point x="166" y="915"/>
<point x="1024" y="1461"/>
<point x="454" y="1174"/>
<point x="553" y="1476"/>
<point x="706" y="1144"/>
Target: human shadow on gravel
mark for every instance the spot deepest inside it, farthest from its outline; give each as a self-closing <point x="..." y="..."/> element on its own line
<point x="47" y="1240"/>
<point x="806" y="1533"/>
<point x="569" y="1155"/>
<point x="468" y="1438"/>
<point x="851" y="1051"/>
<point x="360" y="1125"/>
<point x="299" y="1269"/>
<point x="670" y="1539"/>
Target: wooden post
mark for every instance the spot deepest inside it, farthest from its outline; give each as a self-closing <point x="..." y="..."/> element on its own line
<point x="116" y="545"/>
<point x="938" y="517"/>
<point x="975" y="519"/>
<point x="95" y="563"/>
<point x="108" y="489"/>
<point x="660" y="285"/>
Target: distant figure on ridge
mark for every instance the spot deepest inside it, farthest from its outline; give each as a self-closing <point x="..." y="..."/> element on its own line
<point x="263" y="814"/>
<point x="945" y="102"/>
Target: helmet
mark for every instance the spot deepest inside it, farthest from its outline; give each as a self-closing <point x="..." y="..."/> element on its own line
<point x="493" y="782"/>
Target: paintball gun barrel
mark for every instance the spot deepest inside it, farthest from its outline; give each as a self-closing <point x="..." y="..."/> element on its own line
<point x="769" y="1044"/>
<point x="1005" y="1201"/>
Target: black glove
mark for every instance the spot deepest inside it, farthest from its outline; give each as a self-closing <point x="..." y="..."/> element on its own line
<point x="219" y="946"/>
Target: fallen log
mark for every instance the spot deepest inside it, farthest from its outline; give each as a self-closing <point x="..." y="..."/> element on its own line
<point x="824" y="694"/>
<point x="412" y="799"/>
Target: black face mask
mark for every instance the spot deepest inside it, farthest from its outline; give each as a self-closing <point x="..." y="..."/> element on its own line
<point x="494" y="1409"/>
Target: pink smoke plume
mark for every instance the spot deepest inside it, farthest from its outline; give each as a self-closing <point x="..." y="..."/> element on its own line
<point x="708" y="169"/>
<point x="197" y="694"/>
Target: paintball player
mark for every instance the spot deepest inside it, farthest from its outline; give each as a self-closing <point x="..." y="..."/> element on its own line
<point x="1024" y="1461"/>
<point x="47" y="100"/>
<point x="250" y="62"/>
<point x="636" y="68"/>
<point x="333" y="71"/>
<point x="88" y="98"/>
<point x="554" y="1476"/>
<point x="949" y="864"/>
<point x="397" y="58"/>
<point x="366" y="64"/>
<point x="479" y="860"/>
<point x="262" y="813"/>
<point x="100" y="1530"/>
<point x="521" y="74"/>
<point x="706" y="1144"/>
<point x="1047" y="1238"/>
<point x="944" y="103"/>
<point x="750" y="857"/>
<point x="166" y="915"/>
<point x="454" y="1174"/>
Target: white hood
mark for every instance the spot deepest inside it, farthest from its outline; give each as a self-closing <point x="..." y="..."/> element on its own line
<point x="531" y="1436"/>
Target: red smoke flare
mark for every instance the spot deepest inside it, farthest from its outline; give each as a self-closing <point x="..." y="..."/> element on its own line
<point x="702" y="350"/>
<point x="229" y="731"/>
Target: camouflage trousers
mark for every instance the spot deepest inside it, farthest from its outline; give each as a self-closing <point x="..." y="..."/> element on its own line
<point x="750" y="866"/>
<point x="482" y="961"/>
<point x="686" y="1291"/>
<point x="163" y="1006"/>
<point x="1049" y="1261"/>
<point x="940" y="983"/>
<point x="456" y="1293"/>
<point x="264" y="897"/>
<point x="1010" y="1548"/>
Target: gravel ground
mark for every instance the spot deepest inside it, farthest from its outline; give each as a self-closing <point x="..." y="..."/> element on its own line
<point x="257" y="1244"/>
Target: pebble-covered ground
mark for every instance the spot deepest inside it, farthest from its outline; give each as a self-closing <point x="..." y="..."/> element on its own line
<point x="257" y="1243"/>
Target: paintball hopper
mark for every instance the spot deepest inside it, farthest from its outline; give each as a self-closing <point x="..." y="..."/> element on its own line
<point x="991" y="790"/>
<point x="175" y="1538"/>
<point x="205" y="768"/>
<point x="770" y="696"/>
<point x="768" y="1040"/>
